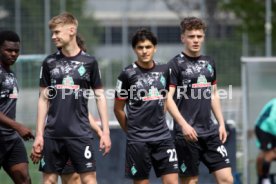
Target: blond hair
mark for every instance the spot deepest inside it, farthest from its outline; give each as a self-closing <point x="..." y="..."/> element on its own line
<point x="64" y="18"/>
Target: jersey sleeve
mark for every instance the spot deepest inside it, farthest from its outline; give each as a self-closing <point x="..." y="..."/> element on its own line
<point x="214" y="78"/>
<point x="44" y="78"/>
<point x="173" y="73"/>
<point x="122" y="87"/>
<point x="95" y="76"/>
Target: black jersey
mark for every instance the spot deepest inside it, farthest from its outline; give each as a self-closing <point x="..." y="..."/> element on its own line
<point x="144" y="91"/>
<point x="193" y="79"/>
<point x="8" y="97"/>
<point x="69" y="80"/>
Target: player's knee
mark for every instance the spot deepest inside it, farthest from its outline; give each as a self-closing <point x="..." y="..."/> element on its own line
<point x="189" y="180"/>
<point x="227" y="180"/>
<point x="22" y="178"/>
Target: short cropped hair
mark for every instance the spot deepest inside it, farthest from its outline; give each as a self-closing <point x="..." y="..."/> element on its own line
<point x="8" y="36"/>
<point x="143" y="34"/>
<point x="192" y="23"/>
<point x="63" y="19"/>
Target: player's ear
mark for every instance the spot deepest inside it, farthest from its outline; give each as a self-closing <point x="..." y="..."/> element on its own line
<point x="182" y="37"/>
<point x="73" y="30"/>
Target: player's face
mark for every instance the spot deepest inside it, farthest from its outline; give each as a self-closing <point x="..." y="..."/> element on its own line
<point x="145" y="51"/>
<point x="62" y="35"/>
<point x="9" y="53"/>
<point x="193" y="40"/>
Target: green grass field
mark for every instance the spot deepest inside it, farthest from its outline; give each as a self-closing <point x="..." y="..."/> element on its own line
<point x="35" y="174"/>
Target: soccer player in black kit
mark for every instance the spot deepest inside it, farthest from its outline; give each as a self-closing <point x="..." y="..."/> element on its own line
<point x="66" y="79"/>
<point x="191" y="99"/>
<point x="142" y="87"/>
<point x="13" y="155"/>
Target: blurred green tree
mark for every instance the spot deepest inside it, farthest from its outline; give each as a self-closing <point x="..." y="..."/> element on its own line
<point x="252" y="14"/>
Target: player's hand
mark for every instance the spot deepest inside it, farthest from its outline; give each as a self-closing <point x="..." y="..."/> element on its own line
<point x="222" y="133"/>
<point x="189" y="133"/>
<point x="37" y="149"/>
<point x="105" y="144"/>
<point x="24" y="132"/>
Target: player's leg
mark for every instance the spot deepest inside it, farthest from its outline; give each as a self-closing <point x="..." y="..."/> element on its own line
<point x="50" y="178"/>
<point x="215" y="157"/>
<point x="138" y="162"/>
<point x="143" y="181"/>
<point x="267" y="144"/>
<point x="16" y="161"/>
<point x="19" y="173"/>
<point x="171" y="178"/>
<point x="68" y="175"/>
<point x="224" y="176"/>
<point x="73" y="178"/>
<point x="54" y="158"/>
<point x="188" y="160"/>
<point x="82" y="156"/>
<point x="259" y="163"/>
<point x="264" y="165"/>
<point x="164" y="161"/>
<point x="88" y="178"/>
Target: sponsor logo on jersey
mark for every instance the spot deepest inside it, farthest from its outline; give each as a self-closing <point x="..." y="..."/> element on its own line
<point x="201" y="82"/>
<point x="67" y="83"/>
<point x="153" y="94"/>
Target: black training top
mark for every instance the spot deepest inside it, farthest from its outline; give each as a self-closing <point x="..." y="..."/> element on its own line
<point x="144" y="91"/>
<point x="193" y="79"/>
<point x="69" y="80"/>
<point x="8" y="97"/>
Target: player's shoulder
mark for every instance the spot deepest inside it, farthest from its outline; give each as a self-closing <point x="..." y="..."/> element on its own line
<point x="87" y="57"/>
<point x="177" y="59"/>
<point x="207" y="57"/>
<point x="161" y="66"/>
<point x="52" y="57"/>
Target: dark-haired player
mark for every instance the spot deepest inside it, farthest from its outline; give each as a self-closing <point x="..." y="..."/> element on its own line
<point x="142" y="87"/>
<point x="13" y="155"/>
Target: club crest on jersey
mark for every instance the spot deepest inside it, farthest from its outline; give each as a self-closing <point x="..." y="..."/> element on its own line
<point x="67" y="83"/>
<point x="163" y="81"/>
<point x="210" y="68"/>
<point x="14" y="93"/>
<point x="201" y="82"/>
<point x="81" y="70"/>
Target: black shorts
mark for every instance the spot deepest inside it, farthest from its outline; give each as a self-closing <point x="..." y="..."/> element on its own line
<point x="266" y="141"/>
<point x="12" y="152"/>
<point x="57" y="152"/>
<point x="69" y="168"/>
<point x="209" y="150"/>
<point x="141" y="156"/>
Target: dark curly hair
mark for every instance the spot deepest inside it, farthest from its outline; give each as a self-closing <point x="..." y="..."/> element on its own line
<point x="190" y="23"/>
